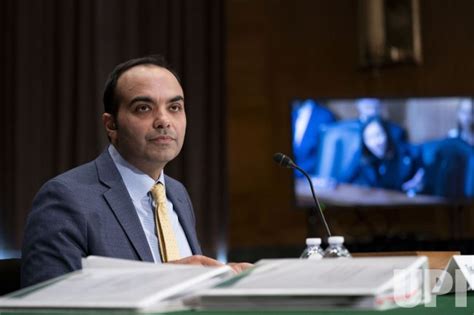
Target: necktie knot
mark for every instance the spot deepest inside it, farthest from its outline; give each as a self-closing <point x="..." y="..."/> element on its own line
<point x="158" y="193"/>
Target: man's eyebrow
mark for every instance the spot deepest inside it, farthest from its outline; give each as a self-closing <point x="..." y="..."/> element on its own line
<point x="148" y="99"/>
<point x="136" y="99"/>
<point x="176" y="99"/>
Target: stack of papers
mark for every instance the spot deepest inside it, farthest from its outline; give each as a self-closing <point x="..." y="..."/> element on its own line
<point x="118" y="284"/>
<point x="361" y="283"/>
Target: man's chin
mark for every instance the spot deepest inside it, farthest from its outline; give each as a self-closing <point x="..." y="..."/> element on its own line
<point x="162" y="157"/>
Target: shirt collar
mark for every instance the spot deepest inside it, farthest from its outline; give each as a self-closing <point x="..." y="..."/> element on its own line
<point x="138" y="183"/>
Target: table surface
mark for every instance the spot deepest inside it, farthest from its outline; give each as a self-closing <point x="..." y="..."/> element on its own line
<point x="445" y="305"/>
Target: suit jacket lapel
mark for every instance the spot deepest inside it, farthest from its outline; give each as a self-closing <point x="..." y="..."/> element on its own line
<point x="121" y="204"/>
<point x="185" y="216"/>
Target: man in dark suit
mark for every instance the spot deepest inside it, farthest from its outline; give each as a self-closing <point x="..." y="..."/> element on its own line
<point x="106" y="207"/>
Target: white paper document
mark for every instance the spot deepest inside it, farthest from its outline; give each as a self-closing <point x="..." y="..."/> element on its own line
<point x="458" y="275"/>
<point x="370" y="283"/>
<point x="115" y="283"/>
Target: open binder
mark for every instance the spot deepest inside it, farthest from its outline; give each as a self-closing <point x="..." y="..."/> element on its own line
<point x="109" y="283"/>
<point x="360" y="283"/>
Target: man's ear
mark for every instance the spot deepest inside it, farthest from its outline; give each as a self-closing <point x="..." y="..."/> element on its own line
<point x="110" y="125"/>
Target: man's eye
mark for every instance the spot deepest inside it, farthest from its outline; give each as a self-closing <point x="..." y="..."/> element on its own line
<point x="176" y="107"/>
<point x="142" y="108"/>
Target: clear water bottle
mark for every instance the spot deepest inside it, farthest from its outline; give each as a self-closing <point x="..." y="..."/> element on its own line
<point x="313" y="249"/>
<point x="336" y="248"/>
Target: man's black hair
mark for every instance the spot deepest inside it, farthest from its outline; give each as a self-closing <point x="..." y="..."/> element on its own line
<point x="110" y="98"/>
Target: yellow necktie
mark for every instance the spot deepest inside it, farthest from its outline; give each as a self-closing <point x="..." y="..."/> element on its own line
<point x="168" y="245"/>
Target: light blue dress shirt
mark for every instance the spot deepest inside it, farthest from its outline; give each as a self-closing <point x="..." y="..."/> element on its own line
<point x="138" y="185"/>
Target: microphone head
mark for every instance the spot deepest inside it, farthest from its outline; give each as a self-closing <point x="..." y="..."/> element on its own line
<point x="283" y="160"/>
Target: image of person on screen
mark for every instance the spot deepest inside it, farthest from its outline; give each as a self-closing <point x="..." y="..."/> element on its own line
<point x="343" y="157"/>
<point x="383" y="162"/>
<point x="465" y="122"/>
<point x="369" y="108"/>
<point x="121" y="204"/>
<point x="308" y="117"/>
<point x="449" y="162"/>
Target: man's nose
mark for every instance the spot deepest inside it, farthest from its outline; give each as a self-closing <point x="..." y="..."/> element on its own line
<point x="161" y="119"/>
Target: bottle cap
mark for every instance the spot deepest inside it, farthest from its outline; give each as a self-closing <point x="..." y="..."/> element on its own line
<point x="313" y="241"/>
<point x="335" y="240"/>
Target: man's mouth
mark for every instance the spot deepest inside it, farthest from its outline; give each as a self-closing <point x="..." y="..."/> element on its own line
<point x="162" y="139"/>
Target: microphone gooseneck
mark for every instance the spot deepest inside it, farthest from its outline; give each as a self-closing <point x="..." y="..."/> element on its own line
<point x="284" y="161"/>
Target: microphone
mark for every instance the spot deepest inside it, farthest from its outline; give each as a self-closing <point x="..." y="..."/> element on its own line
<point x="285" y="161"/>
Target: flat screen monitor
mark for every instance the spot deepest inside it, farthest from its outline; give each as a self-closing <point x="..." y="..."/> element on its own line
<point x="384" y="151"/>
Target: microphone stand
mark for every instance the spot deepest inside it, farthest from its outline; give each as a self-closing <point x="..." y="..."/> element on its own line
<point x="321" y="215"/>
<point x="285" y="161"/>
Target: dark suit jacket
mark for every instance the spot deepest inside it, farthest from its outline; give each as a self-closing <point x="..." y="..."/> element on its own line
<point x="449" y="168"/>
<point x="306" y="152"/>
<point x="88" y="211"/>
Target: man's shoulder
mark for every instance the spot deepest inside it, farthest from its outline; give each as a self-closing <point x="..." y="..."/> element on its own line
<point x="175" y="187"/>
<point x="83" y="173"/>
<point x="83" y="183"/>
<point x="86" y="174"/>
<point x="173" y="183"/>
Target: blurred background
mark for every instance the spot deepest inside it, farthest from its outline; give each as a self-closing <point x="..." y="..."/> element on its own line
<point x="242" y="63"/>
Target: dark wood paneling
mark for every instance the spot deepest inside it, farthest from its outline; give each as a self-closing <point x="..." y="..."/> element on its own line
<point x="280" y="49"/>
